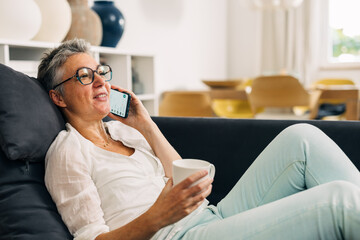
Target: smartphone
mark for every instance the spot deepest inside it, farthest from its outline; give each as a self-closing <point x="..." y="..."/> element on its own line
<point x="119" y="103"/>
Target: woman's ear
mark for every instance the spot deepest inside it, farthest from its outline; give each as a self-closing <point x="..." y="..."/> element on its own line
<point x="57" y="98"/>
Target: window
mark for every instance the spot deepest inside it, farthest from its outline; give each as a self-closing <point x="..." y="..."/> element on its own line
<point x="344" y="22"/>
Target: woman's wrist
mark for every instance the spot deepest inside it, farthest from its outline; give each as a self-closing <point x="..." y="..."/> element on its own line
<point x="153" y="222"/>
<point x="143" y="227"/>
<point x="147" y="128"/>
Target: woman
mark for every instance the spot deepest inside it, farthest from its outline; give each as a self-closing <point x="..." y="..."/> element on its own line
<point x="113" y="180"/>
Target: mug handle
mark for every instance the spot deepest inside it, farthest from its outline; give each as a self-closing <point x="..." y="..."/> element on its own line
<point x="212" y="171"/>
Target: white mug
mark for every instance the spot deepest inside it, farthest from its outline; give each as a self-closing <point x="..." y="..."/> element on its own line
<point x="185" y="167"/>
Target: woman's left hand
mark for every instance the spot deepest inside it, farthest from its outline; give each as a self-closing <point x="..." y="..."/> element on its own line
<point x="140" y="119"/>
<point x="138" y="116"/>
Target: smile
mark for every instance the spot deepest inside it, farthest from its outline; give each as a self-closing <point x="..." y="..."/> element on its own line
<point x="101" y="95"/>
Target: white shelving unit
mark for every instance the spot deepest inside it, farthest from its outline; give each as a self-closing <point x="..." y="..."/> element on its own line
<point x="25" y="57"/>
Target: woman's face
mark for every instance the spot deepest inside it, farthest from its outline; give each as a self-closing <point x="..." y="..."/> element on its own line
<point x="88" y="102"/>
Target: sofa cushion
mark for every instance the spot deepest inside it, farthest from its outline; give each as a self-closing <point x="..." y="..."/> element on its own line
<point x="29" y="121"/>
<point x="27" y="211"/>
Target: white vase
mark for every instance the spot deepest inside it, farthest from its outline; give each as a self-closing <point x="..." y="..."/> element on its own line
<point x="56" y="20"/>
<point x="19" y="19"/>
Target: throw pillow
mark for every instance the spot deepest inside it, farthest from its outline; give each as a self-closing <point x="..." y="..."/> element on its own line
<point x="29" y="121"/>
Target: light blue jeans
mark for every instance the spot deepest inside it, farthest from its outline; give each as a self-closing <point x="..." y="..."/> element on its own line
<point x="302" y="186"/>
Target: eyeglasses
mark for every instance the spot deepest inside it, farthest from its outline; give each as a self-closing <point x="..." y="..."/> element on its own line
<point x="86" y="75"/>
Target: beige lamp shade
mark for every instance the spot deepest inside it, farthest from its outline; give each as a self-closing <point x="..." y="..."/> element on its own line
<point x="56" y="20"/>
<point x="19" y="19"/>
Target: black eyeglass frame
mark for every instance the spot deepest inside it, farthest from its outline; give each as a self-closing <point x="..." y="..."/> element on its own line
<point x="92" y="79"/>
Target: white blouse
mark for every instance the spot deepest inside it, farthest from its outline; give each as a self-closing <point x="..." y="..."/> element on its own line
<point x="97" y="191"/>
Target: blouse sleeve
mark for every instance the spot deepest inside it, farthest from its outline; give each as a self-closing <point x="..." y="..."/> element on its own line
<point x="68" y="180"/>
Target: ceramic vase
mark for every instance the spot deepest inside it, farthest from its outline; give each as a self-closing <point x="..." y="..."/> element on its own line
<point x="56" y="20"/>
<point x="85" y="23"/>
<point x="19" y="19"/>
<point x="112" y="20"/>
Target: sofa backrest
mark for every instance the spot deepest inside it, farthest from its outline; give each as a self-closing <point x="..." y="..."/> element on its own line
<point x="233" y="144"/>
<point x="29" y="122"/>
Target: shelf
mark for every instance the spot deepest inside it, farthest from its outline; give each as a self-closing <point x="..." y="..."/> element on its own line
<point x="25" y="56"/>
<point x="27" y="67"/>
<point x="29" y="44"/>
<point x="146" y="97"/>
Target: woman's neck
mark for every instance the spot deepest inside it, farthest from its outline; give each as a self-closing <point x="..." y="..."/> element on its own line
<point x="93" y="131"/>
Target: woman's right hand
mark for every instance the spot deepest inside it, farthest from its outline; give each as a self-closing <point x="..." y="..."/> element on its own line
<point x="176" y="202"/>
<point x="173" y="204"/>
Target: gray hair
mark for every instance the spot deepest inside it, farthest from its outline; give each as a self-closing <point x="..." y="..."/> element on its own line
<point x="50" y="70"/>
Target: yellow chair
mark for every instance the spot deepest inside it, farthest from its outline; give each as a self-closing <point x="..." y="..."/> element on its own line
<point x="233" y="108"/>
<point x="281" y="92"/>
<point x="332" y="81"/>
<point x="185" y="104"/>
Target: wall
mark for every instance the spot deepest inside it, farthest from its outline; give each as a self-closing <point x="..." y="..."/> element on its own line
<point x="244" y="35"/>
<point x="188" y="37"/>
<point x="201" y="39"/>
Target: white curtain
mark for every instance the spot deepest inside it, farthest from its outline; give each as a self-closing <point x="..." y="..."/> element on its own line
<point x="291" y="39"/>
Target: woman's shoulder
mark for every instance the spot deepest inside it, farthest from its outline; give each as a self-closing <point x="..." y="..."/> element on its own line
<point x="66" y="156"/>
<point x="67" y="137"/>
<point x="66" y="142"/>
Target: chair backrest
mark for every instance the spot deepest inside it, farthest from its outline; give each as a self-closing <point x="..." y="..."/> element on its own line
<point x="277" y="91"/>
<point x="185" y="104"/>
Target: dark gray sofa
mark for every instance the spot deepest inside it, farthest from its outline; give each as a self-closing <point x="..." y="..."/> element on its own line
<point x="233" y="144"/>
<point x="29" y="122"/>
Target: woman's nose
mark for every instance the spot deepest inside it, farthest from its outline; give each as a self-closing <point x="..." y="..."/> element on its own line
<point x="98" y="80"/>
